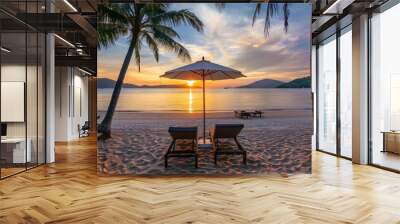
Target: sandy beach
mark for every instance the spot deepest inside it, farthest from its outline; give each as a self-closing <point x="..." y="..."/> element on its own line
<point x="280" y="142"/>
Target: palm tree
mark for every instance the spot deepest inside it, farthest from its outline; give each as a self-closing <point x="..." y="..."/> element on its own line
<point x="150" y="24"/>
<point x="272" y="9"/>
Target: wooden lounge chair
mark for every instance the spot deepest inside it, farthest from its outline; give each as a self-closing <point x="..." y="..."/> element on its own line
<point x="257" y="113"/>
<point x="227" y="131"/>
<point x="83" y="130"/>
<point x="184" y="143"/>
<point x="242" y="114"/>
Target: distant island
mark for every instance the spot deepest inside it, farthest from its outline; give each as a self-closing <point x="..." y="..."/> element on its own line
<point x="271" y="83"/>
<point x="105" y="83"/>
<point x="298" y="83"/>
<point x="264" y="83"/>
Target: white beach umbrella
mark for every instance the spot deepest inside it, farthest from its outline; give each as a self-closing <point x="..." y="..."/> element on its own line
<point x="203" y="70"/>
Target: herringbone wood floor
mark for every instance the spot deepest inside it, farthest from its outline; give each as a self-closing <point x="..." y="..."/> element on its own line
<point x="70" y="191"/>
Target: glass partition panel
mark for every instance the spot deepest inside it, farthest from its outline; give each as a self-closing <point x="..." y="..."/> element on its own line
<point x="14" y="154"/>
<point x="327" y="95"/>
<point x="346" y="93"/>
<point x="31" y="98"/>
<point x="385" y="89"/>
<point x="22" y="88"/>
<point x="41" y="99"/>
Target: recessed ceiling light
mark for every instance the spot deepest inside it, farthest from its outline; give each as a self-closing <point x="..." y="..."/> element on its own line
<point x="5" y="50"/>
<point x="70" y="5"/>
<point x="337" y="7"/>
<point x="64" y="40"/>
<point x="84" y="71"/>
<point x="79" y="51"/>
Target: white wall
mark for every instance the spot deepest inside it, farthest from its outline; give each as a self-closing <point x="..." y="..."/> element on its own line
<point x="81" y="104"/>
<point x="61" y="106"/>
<point x="71" y="102"/>
<point x="314" y="90"/>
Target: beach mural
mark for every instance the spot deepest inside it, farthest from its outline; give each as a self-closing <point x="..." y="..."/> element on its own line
<point x="253" y="115"/>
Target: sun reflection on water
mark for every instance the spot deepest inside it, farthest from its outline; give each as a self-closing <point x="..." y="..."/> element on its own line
<point x="190" y="98"/>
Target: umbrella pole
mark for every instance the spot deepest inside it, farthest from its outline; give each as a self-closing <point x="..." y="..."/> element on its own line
<point x="204" y="109"/>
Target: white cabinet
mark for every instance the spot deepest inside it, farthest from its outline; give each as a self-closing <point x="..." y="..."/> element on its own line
<point x="19" y="155"/>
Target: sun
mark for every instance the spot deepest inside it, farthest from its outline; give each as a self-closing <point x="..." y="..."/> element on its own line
<point x="190" y="83"/>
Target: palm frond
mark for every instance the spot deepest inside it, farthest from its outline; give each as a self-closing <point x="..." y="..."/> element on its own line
<point x="171" y="45"/>
<point x="270" y="13"/>
<point x="151" y="43"/>
<point x="129" y="9"/>
<point x="153" y="9"/>
<point x="165" y="29"/>
<point x="107" y="34"/>
<point x="271" y="10"/>
<point x="286" y="14"/>
<point x="113" y="13"/>
<point x="175" y="18"/>
<point x="257" y="11"/>
<point x="112" y="23"/>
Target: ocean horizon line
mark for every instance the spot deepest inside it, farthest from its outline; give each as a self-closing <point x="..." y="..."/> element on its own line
<point x="201" y="111"/>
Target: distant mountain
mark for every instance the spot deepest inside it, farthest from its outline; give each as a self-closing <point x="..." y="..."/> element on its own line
<point x="264" y="83"/>
<point x="104" y="83"/>
<point x="271" y="83"/>
<point x="297" y="83"/>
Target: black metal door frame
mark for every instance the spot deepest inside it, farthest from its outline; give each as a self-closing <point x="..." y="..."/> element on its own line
<point x="44" y="71"/>
<point x="338" y="153"/>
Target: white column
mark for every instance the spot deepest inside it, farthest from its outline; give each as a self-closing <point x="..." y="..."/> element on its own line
<point x="50" y="100"/>
<point x="360" y="90"/>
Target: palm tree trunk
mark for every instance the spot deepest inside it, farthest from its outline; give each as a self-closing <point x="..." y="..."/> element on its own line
<point x="105" y="126"/>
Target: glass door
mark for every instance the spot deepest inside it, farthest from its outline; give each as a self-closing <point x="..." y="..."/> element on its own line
<point x="14" y="155"/>
<point x="345" y="94"/>
<point x="385" y="89"/>
<point x="326" y="100"/>
<point x="22" y="77"/>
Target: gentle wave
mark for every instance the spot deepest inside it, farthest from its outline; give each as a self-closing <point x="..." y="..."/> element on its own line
<point x="217" y="100"/>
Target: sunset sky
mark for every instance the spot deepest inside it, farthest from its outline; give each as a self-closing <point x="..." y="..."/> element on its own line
<point x="228" y="39"/>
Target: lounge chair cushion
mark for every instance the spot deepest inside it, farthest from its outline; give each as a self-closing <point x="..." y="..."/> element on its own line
<point x="183" y="132"/>
<point x="226" y="130"/>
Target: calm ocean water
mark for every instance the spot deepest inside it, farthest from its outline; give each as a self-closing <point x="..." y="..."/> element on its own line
<point x="190" y="100"/>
